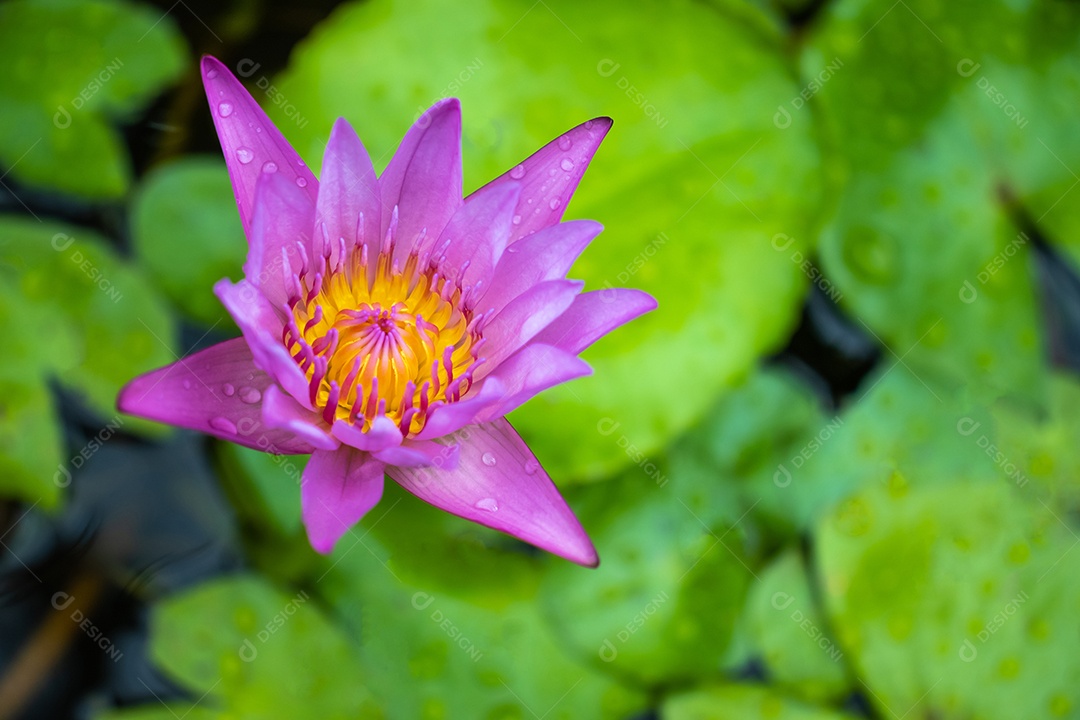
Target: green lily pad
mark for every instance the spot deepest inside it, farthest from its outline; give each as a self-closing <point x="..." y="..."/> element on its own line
<point x="257" y="652"/>
<point x="674" y="573"/>
<point x="740" y="702"/>
<point x="428" y="653"/>
<point x="692" y="183"/>
<point x="757" y="442"/>
<point x="447" y="554"/>
<point x="789" y="629"/>
<point x="75" y="314"/>
<point x="1034" y="446"/>
<point x="32" y="466"/>
<point x="899" y="422"/>
<point x="187" y="232"/>
<point x="954" y="600"/>
<point x="106" y="322"/>
<point x="74" y="67"/>
<point x="926" y="221"/>
<point x="267" y="487"/>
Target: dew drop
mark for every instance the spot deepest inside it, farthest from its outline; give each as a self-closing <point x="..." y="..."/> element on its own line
<point x="488" y="504"/>
<point x="223" y="424"/>
<point x="531" y="466"/>
<point x="554" y="204"/>
<point x="301" y="182"/>
<point x="187" y="384"/>
<point x="567" y="164"/>
<point x="211" y="74"/>
<point x="488" y="459"/>
<point x="225" y="109"/>
<point x="244" y="155"/>
<point x="588" y="124"/>
<point x="565" y="143"/>
<point x="518" y="172"/>
<point x="516" y="220"/>
<point x="250" y="395"/>
<point x="270" y="167"/>
<point x="228" y="389"/>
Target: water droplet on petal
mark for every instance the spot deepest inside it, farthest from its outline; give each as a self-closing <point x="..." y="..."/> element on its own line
<point x="225" y="109"/>
<point x="244" y="155"/>
<point x="531" y="466"/>
<point x="223" y="424"/>
<point x="187" y="384"/>
<point x="250" y="395"/>
<point x="228" y="389"/>
<point x="554" y="204"/>
<point x="488" y="459"/>
<point x="270" y="167"/>
<point x="565" y="142"/>
<point x="518" y="172"/>
<point x="567" y="164"/>
<point x="488" y="504"/>
<point x="516" y="220"/>
<point x="211" y="74"/>
<point x="588" y="124"/>
<point x="301" y="182"/>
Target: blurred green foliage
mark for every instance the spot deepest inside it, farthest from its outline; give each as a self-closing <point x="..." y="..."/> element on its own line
<point x="908" y="552"/>
<point x="74" y="313"/>
<point x="74" y="68"/>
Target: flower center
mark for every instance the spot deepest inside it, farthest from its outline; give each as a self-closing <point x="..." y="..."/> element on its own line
<point x="376" y="339"/>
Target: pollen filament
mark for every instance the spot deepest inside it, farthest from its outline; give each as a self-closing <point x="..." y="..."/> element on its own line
<point x="373" y="338"/>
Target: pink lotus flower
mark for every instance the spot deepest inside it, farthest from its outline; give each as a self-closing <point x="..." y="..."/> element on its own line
<point x="389" y="325"/>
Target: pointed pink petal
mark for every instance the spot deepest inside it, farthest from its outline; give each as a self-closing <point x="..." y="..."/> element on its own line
<point x="349" y="190"/>
<point x="523" y="318"/>
<point x="499" y="483"/>
<point x="337" y="489"/>
<point x="422" y="453"/>
<point x="250" y="142"/>
<point x="551" y="174"/>
<point x="218" y="391"/>
<point x="593" y="315"/>
<point x="283" y="216"/>
<point x="451" y="417"/>
<point x="281" y="411"/>
<point x="423" y="180"/>
<point x="529" y="371"/>
<point x="382" y="434"/>
<point x="262" y="327"/>
<point x="475" y="237"/>
<point x="545" y="255"/>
